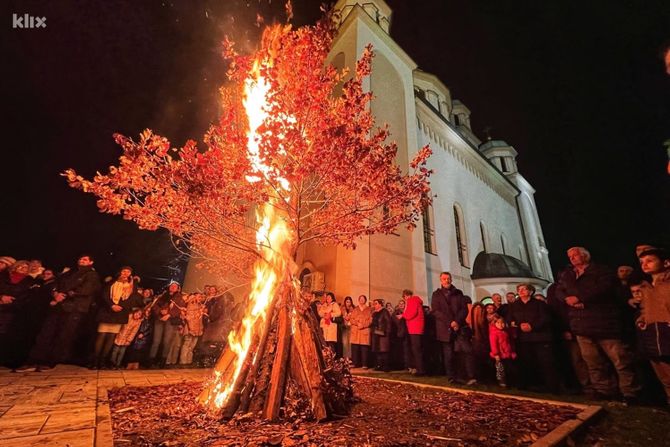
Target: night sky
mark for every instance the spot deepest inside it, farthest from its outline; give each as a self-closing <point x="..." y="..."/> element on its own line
<point x="578" y="88"/>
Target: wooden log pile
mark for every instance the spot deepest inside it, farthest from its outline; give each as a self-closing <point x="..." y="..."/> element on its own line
<point x="289" y="371"/>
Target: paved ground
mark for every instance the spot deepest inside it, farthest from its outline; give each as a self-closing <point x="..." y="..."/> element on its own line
<point x="66" y="406"/>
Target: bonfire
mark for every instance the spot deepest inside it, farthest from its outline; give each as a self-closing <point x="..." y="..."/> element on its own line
<point x="294" y="158"/>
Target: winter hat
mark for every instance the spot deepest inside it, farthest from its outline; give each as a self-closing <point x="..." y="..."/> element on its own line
<point x="7" y="260"/>
<point x="486" y="301"/>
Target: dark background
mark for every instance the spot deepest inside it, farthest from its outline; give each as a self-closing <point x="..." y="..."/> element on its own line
<point x="578" y="88"/>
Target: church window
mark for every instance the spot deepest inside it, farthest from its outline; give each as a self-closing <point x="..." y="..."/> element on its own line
<point x="429" y="230"/>
<point x="457" y="120"/>
<point x="502" y="243"/>
<point x="433" y="99"/>
<point x="503" y="164"/>
<point x="482" y="230"/>
<point x="461" y="240"/>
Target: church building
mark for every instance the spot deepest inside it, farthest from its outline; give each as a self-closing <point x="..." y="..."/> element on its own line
<point x="483" y="226"/>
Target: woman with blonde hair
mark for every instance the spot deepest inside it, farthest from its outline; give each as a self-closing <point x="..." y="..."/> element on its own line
<point x="118" y="298"/>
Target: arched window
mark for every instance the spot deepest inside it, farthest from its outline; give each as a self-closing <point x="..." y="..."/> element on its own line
<point x="482" y="230"/>
<point x="429" y="230"/>
<point x="433" y="98"/>
<point x="502" y="243"/>
<point x="461" y="239"/>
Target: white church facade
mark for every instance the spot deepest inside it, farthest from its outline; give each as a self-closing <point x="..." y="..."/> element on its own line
<point x="483" y="226"/>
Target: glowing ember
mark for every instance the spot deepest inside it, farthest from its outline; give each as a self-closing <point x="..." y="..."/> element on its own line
<point x="272" y="238"/>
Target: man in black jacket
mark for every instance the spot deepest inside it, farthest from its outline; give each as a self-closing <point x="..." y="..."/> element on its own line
<point x="450" y="310"/>
<point x="72" y="297"/>
<point x="590" y="291"/>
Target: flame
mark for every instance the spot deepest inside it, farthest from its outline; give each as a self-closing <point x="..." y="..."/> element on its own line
<point x="273" y="240"/>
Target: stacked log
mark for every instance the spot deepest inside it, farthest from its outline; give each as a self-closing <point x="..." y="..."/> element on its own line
<point x="287" y="350"/>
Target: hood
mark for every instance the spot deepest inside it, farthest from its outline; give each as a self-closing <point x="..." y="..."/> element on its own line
<point x="417" y="297"/>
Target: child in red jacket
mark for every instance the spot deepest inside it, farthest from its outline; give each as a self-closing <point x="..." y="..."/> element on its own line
<point x="502" y="349"/>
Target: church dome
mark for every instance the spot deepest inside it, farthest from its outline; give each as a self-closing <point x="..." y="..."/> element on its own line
<point x="496" y="265"/>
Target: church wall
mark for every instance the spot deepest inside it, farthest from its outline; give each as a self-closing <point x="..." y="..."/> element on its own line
<point x="383" y="265"/>
<point x="390" y="255"/>
<point x="453" y="183"/>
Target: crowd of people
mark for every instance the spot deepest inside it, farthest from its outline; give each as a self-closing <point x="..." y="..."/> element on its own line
<point x="598" y="331"/>
<point x="75" y="317"/>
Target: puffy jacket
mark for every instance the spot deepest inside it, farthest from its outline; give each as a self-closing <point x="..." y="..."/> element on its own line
<point x="596" y="289"/>
<point x="501" y="343"/>
<point x="413" y="315"/>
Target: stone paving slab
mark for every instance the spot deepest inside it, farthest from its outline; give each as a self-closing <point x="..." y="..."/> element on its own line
<point x="77" y="438"/>
<point x="24" y="425"/>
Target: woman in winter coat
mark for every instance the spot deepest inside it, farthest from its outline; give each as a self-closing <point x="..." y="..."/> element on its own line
<point x="381" y="335"/>
<point x="532" y="321"/>
<point x="347" y="308"/>
<point x="360" y="320"/>
<point x="414" y="317"/>
<point x="15" y="285"/>
<point x="118" y="298"/>
<point x="328" y="312"/>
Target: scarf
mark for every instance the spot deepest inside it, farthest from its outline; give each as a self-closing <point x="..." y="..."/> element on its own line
<point x="120" y="291"/>
<point x="16" y="277"/>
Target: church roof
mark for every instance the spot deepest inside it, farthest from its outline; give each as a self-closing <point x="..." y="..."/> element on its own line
<point x="496" y="265"/>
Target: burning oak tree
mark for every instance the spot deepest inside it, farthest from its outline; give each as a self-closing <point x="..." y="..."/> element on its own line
<point x="297" y="145"/>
